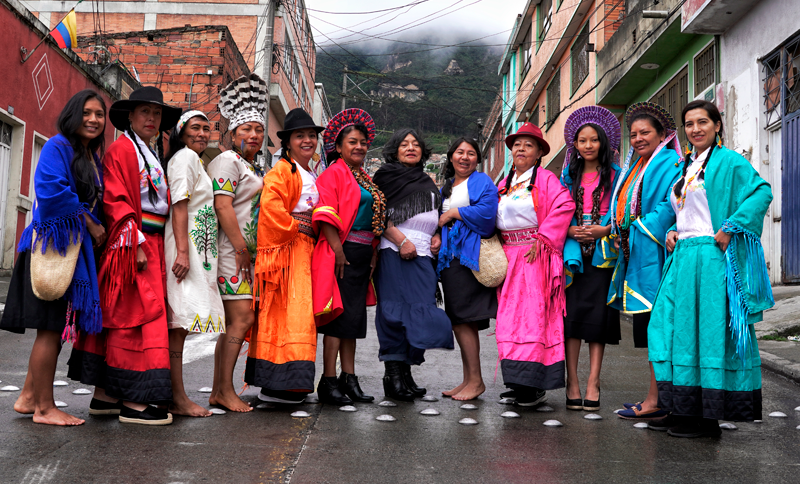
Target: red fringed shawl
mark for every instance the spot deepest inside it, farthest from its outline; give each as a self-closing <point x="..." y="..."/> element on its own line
<point x="339" y="196"/>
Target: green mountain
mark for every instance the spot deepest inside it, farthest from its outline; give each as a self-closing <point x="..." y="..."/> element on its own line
<point x="441" y="92"/>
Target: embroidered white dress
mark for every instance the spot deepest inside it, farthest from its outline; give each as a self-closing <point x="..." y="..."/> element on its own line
<point x="195" y="303"/>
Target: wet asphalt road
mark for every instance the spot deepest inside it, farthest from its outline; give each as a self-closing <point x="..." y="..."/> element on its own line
<point x="338" y="447"/>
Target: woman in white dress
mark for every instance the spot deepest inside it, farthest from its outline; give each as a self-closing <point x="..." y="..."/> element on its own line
<point x="190" y="249"/>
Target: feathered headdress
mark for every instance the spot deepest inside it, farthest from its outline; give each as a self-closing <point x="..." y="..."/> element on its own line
<point x="244" y="100"/>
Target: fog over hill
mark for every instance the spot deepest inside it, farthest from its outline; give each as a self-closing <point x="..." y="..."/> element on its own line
<point x="440" y="91"/>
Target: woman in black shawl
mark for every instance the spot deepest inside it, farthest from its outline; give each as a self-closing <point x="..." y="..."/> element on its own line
<point x="408" y="320"/>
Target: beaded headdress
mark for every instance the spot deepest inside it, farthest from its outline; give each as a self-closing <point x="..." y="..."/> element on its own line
<point x="595" y="115"/>
<point x="654" y="110"/>
<point x="186" y="116"/>
<point x="348" y="117"/>
<point x="244" y="101"/>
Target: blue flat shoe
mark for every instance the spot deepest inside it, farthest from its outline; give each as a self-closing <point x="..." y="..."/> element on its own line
<point x="637" y="414"/>
<point x="629" y="406"/>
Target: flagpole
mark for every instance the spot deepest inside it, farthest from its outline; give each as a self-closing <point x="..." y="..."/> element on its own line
<point x="22" y="49"/>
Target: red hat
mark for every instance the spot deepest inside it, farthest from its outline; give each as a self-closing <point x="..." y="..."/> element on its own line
<point x="529" y="129"/>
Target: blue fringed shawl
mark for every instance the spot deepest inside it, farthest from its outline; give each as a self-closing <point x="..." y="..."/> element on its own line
<point x="58" y="220"/>
<point x="738" y="199"/>
<point x="463" y="239"/>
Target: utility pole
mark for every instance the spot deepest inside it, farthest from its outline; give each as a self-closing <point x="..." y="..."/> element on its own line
<point x="344" y="87"/>
<point x="266" y="74"/>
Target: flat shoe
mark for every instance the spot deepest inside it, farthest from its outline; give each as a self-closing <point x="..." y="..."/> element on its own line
<point x="628" y="406"/>
<point x="99" y="407"/>
<point x="591" y="405"/>
<point x="574" y="404"/>
<point x="637" y="414"/>
<point x="148" y="416"/>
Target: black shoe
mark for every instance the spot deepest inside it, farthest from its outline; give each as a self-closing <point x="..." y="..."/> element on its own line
<point x="574" y="404"/>
<point x="410" y="383"/>
<point x="664" y="424"/>
<point x="328" y="392"/>
<point x="592" y="405"/>
<point x="509" y="394"/>
<point x="394" y="385"/>
<point x="99" y="407"/>
<point x="148" y="416"/>
<point x="530" y="398"/>
<point x="695" y="428"/>
<point x="348" y="384"/>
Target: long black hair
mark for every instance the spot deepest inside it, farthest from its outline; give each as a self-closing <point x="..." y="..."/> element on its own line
<point x="449" y="169"/>
<point x="605" y="158"/>
<point x="358" y="127"/>
<point x="392" y="146"/>
<point x="716" y="117"/>
<point x="175" y="143"/>
<point x="83" y="167"/>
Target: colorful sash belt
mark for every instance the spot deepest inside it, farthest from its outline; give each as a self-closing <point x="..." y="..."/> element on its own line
<point x="364" y="237"/>
<point x="153" y="223"/>
<point x="519" y="237"/>
<point x="305" y="223"/>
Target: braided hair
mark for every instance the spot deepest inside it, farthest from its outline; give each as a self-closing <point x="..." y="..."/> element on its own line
<point x="286" y="153"/>
<point x="152" y="195"/>
<point x="714" y="115"/>
<point x="450" y="170"/>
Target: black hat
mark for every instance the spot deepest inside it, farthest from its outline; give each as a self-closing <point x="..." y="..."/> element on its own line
<point x="144" y="95"/>
<point x="298" y="119"/>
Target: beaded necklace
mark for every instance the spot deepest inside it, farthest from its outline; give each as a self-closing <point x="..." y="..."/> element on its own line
<point x="587" y="248"/>
<point x="378" y="200"/>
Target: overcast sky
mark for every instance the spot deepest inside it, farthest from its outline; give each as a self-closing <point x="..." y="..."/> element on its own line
<point x="465" y="19"/>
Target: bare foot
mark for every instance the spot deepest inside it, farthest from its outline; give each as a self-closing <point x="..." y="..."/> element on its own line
<point x="470" y="392"/>
<point x="232" y="402"/>
<point x="189" y="409"/>
<point x="212" y="397"/>
<point x="450" y="393"/>
<point x="55" y="416"/>
<point x="24" y="404"/>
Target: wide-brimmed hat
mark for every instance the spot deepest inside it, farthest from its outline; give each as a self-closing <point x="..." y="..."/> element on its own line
<point x="298" y="118"/>
<point x="654" y="110"/>
<point x="348" y="117"/>
<point x="144" y="95"/>
<point x="529" y="129"/>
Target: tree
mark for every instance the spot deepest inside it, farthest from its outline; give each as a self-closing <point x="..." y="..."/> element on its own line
<point x="204" y="234"/>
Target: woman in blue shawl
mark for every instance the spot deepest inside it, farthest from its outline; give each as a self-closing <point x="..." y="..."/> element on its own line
<point x="68" y="184"/>
<point x="469" y="210"/>
<point x="715" y="287"/>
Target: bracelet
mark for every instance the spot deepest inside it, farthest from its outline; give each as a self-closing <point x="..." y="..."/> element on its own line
<point x="403" y="242"/>
<point x="242" y="251"/>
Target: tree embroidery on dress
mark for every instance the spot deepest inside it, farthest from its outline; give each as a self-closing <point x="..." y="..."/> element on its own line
<point x="204" y="235"/>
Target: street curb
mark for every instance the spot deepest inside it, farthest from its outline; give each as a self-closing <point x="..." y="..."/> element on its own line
<point x="781" y="366"/>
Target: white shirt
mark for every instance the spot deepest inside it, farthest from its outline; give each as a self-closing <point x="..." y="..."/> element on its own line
<point x="459" y="197"/>
<point x="694" y="219"/>
<point x="160" y="206"/>
<point x="309" y="196"/>
<point x="515" y="210"/>
<point x="418" y="229"/>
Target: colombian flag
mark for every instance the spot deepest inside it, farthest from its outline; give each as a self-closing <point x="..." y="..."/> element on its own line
<point x="65" y="34"/>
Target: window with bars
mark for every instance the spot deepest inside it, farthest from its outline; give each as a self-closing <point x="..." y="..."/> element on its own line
<point x="782" y="81"/>
<point x="545" y="19"/>
<point x="673" y="97"/>
<point x="527" y="55"/>
<point x="704" y="70"/>
<point x="579" y="59"/>
<point x="5" y="133"/>
<point x="554" y="97"/>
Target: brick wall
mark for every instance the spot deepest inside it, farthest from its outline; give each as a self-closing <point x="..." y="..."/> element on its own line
<point x="614" y="15"/>
<point x="168" y="58"/>
<point x="243" y="28"/>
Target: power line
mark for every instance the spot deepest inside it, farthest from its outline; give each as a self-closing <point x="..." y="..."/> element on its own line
<point x="368" y="13"/>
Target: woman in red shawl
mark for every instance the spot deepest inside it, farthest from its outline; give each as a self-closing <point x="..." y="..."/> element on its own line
<point x="128" y="363"/>
<point x="349" y="217"/>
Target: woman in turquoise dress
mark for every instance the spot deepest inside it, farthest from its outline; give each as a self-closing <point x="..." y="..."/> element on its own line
<point x="711" y="370"/>
<point x="641" y="215"/>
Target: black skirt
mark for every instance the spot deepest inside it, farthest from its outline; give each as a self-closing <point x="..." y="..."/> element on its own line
<point x="26" y="311"/>
<point x="465" y="299"/>
<point x="352" y="323"/>
<point x="588" y="316"/>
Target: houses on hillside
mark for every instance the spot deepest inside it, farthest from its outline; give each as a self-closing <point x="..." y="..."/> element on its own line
<point x="743" y="55"/>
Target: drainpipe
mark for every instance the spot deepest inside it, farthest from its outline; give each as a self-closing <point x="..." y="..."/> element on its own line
<point x="266" y="74"/>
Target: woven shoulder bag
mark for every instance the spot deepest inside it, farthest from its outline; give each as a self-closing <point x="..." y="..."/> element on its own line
<point x="492" y="262"/>
<point x="51" y="272"/>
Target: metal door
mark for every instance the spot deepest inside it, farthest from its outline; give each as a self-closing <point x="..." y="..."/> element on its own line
<point x="790" y="147"/>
